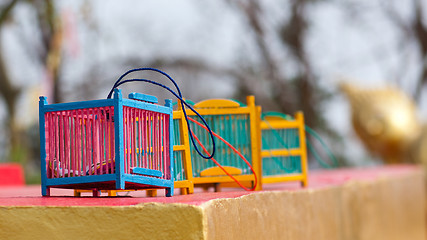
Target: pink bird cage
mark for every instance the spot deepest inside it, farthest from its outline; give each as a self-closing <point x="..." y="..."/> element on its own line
<point x="107" y="144"/>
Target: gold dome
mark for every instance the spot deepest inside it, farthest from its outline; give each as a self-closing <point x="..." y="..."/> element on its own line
<point x="385" y="120"/>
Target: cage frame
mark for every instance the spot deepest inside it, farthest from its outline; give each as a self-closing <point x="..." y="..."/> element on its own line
<point x="279" y="122"/>
<point x="232" y="107"/>
<point x="119" y="177"/>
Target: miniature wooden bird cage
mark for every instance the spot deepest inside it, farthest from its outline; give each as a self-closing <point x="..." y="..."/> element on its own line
<point x="238" y="125"/>
<point x="108" y="144"/>
<point x="284" y="153"/>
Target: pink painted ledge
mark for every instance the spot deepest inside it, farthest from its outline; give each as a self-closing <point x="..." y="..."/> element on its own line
<point x="31" y="196"/>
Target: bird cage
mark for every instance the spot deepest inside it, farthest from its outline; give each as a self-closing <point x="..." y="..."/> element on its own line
<point x="238" y="125"/>
<point x="284" y="153"/>
<point x="107" y="144"/>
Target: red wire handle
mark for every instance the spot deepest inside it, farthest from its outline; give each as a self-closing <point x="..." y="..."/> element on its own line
<point x="219" y="165"/>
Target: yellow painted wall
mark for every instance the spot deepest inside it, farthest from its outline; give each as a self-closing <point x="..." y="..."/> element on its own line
<point x="149" y="221"/>
<point x="392" y="209"/>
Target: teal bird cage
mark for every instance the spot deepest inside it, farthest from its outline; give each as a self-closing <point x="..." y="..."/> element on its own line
<point x="284" y="152"/>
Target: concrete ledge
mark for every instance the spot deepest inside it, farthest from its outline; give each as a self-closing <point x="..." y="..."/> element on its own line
<point x="387" y="208"/>
<point x="150" y="221"/>
<point x="383" y="204"/>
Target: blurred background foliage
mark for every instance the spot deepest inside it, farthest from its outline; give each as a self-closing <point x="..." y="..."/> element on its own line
<point x="289" y="54"/>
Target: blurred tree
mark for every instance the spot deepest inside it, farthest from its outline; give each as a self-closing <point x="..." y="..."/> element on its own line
<point x="290" y="83"/>
<point x="9" y="92"/>
<point x="413" y="30"/>
<point x="48" y="23"/>
<point x="283" y="84"/>
<point x="408" y="20"/>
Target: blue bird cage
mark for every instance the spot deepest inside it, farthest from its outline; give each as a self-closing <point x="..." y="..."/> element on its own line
<point x="107" y="144"/>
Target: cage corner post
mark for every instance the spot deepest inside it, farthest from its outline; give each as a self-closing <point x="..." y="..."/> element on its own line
<point x="182" y="145"/>
<point x="255" y="125"/>
<point x="169" y="191"/>
<point x="188" y="168"/>
<point x="42" y="128"/>
<point x="299" y="116"/>
<point x="118" y="134"/>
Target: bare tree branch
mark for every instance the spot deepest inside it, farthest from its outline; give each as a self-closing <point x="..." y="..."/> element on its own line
<point x="7" y="90"/>
<point x="420" y="32"/>
<point x="414" y="31"/>
<point x="4" y="14"/>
